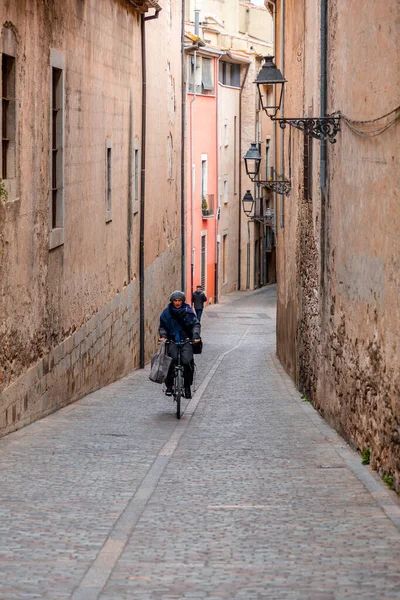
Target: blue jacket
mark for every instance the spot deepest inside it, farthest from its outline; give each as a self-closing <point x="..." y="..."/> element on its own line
<point x="180" y="326"/>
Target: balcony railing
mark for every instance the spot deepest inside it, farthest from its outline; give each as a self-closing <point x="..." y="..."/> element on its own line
<point x="207" y="206"/>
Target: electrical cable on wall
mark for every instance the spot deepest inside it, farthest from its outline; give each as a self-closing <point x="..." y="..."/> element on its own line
<point x="379" y="130"/>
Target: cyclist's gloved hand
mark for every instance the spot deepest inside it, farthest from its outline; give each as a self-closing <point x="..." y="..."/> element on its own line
<point x="196" y="341"/>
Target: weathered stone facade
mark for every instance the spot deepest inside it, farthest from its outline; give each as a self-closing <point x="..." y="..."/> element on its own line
<point x="69" y="290"/>
<point x="99" y="352"/>
<point x="338" y="244"/>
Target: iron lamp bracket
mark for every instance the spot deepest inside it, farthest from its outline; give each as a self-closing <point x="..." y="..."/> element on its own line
<point x="279" y="186"/>
<point x="321" y="128"/>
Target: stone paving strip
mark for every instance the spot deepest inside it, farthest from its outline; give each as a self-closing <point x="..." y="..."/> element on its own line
<point x="250" y="496"/>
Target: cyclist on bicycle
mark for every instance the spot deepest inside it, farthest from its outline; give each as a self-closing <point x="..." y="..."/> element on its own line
<point x="178" y="323"/>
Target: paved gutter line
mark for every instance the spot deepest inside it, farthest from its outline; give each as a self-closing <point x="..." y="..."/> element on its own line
<point x="95" y="578"/>
<point x="382" y="496"/>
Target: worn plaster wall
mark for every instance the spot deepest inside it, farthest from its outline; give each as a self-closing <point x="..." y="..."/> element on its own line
<point x="70" y="315"/>
<point x="229" y="161"/>
<point x="343" y="250"/>
<point x="248" y="135"/>
<point x="362" y="382"/>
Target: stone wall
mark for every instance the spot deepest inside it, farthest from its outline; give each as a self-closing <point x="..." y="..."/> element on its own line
<point x="105" y="348"/>
<point x="69" y="314"/>
<point x="338" y="267"/>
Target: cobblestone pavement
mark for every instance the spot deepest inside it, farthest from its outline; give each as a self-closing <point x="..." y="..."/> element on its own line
<point x="250" y="496"/>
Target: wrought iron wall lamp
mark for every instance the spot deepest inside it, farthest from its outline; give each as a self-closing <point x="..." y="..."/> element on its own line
<point x="248" y="203"/>
<point x="252" y="160"/>
<point x="321" y="128"/>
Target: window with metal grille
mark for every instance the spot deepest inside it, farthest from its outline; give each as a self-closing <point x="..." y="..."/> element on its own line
<point x="136" y="178"/>
<point x="203" y="261"/>
<point x="57" y="217"/>
<point x="8" y="125"/>
<point x="308" y="163"/>
<point x="57" y="66"/>
<point x="108" y="181"/>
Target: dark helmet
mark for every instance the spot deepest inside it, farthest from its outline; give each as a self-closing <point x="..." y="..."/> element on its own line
<point x="177" y="295"/>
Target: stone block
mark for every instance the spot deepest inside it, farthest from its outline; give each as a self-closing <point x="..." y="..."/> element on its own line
<point x="58" y="353"/>
<point x="43" y="384"/>
<point x="107" y="322"/>
<point x="39" y="370"/>
<point x="65" y="364"/>
<point x="45" y="364"/>
<point x="75" y="354"/>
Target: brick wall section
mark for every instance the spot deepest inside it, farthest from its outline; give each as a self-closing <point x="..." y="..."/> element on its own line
<point x="105" y="348"/>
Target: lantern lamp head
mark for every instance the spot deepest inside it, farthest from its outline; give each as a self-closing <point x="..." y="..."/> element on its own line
<point x="248" y="203"/>
<point x="252" y="161"/>
<point x="268" y="77"/>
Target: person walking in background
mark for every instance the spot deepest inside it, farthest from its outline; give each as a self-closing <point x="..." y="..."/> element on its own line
<point x="198" y="300"/>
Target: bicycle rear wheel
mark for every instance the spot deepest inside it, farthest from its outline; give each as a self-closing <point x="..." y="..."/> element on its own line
<point x="178" y="393"/>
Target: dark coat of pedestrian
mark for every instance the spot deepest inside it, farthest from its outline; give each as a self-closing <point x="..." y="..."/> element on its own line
<point x="177" y="324"/>
<point x="198" y="300"/>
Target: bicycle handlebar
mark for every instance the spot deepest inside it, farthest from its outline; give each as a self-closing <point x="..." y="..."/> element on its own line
<point x="179" y="343"/>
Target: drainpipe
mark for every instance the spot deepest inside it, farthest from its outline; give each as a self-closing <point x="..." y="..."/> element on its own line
<point x="194" y="47"/>
<point x="192" y="180"/>
<point x="216" y="204"/>
<point x="240" y="177"/>
<point x="323" y="154"/>
<point x="282" y="136"/>
<point x="275" y="130"/>
<point x="183" y="123"/>
<point x="130" y="194"/>
<point x="142" y="187"/>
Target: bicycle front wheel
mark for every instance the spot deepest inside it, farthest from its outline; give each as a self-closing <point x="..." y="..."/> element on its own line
<point x="178" y="394"/>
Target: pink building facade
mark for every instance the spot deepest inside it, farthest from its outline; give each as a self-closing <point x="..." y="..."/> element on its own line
<point x="202" y="173"/>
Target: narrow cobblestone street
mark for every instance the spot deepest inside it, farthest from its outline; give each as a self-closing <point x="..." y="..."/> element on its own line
<point x="250" y="496"/>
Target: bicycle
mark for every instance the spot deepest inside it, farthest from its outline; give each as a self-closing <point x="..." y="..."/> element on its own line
<point x="178" y="385"/>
